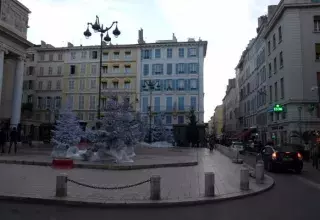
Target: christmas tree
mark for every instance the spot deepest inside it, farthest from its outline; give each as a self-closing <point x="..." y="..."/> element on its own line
<point x="67" y="132"/>
<point x="120" y="130"/>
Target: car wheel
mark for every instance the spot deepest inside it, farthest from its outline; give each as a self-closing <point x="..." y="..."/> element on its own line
<point x="269" y="167"/>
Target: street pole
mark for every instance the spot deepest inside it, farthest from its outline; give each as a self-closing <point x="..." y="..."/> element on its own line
<point x="100" y="76"/>
<point x="150" y="116"/>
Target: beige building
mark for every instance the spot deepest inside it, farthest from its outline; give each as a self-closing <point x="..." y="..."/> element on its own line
<point x="13" y="46"/>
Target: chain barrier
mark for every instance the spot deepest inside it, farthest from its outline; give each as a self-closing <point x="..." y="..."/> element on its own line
<point x="108" y="188"/>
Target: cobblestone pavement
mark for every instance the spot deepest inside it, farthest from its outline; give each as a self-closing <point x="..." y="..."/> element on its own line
<point x="176" y="183"/>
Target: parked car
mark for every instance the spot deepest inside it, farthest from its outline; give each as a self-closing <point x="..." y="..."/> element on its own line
<point x="238" y="146"/>
<point x="283" y="157"/>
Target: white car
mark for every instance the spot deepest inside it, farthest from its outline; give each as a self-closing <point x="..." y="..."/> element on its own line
<point x="238" y="146"/>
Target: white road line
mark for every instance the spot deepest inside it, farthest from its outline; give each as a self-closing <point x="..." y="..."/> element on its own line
<point x="309" y="182"/>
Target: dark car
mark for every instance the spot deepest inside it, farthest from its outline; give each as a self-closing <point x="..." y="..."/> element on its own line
<point x="284" y="157"/>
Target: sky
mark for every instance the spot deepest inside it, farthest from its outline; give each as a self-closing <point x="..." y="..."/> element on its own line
<point x="226" y="25"/>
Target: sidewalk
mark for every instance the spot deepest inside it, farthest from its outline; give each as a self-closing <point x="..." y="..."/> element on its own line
<point x="183" y="184"/>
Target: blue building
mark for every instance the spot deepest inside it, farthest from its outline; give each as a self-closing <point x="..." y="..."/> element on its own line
<point x="177" y="67"/>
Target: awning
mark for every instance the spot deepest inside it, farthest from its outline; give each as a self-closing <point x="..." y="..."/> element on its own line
<point x="127" y="80"/>
<point x="104" y="80"/>
<point x="115" y="80"/>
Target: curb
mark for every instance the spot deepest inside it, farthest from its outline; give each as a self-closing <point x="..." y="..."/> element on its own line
<point x="135" y="204"/>
<point x="104" y="166"/>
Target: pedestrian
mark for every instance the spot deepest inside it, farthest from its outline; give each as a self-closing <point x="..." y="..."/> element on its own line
<point x="13" y="139"/>
<point x="2" y="139"/>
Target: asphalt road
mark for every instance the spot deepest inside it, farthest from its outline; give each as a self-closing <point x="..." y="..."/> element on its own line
<point x="294" y="198"/>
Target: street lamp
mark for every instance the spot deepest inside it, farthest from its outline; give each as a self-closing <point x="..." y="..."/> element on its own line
<point x="98" y="28"/>
<point x="150" y="85"/>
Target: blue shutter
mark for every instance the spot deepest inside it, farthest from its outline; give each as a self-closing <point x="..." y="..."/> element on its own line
<point x="193" y="102"/>
<point x="165" y="85"/>
<point x="169" y="68"/>
<point x="185" y="68"/>
<point x="177" y="85"/>
<point x="161" y="69"/>
<point x="145" y="69"/>
<point x="157" y="104"/>
<point x="168" y="103"/>
<point x="177" y="64"/>
<point x="181" y="103"/>
<point x="153" y="69"/>
<point x="141" y="85"/>
<point x="197" y="67"/>
<point x="144" y="104"/>
<point x="186" y="85"/>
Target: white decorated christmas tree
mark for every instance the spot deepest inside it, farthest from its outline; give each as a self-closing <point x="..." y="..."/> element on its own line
<point x="67" y="132"/>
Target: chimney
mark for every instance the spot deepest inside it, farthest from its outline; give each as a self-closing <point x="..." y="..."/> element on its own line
<point x="70" y="44"/>
<point x="174" y="37"/>
<point x="271" y="11"/>
<point x="43" y="44"/>
<point x="140" y="37"/>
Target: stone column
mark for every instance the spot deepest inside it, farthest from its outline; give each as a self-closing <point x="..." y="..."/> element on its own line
<point x="2" y="52"/>
<point x="17" y="93"/>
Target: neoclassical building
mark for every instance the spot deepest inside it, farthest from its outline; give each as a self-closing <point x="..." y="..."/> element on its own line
<point x="13" y="45"/>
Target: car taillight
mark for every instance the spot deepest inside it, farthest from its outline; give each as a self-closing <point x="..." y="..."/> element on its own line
<point x="274" y="156"/>
<point x="299" y="156"/>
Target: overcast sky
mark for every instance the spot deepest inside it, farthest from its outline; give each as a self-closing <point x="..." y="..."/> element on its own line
<point x="226" y="25"/>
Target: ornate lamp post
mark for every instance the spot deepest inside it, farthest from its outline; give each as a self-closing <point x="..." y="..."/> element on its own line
<point x="150" y="85"/>
<point x="98" y="28"/>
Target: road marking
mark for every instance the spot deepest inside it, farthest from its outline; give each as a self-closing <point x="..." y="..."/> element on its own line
<point x="309" y="182"/>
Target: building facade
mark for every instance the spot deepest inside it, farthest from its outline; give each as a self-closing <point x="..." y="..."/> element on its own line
<point x="177" y="69"/>
<point x="218" y="120"/>
<point x="13" y="46"/>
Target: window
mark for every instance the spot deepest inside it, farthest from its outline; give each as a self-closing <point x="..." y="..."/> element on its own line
<point x="281" y="59"/>
<point x="168" y="119"/>
<point x="270" y="94"/>
<point x="51" y="57"/>
<point x="94" y="54"/>
<point x="116" y="55"/>
<point x="145" y="69"/>
<point x="92" y="102"/>
<point x="115" y="85"/>
<point x="316" y="22"/>
<point x="32" y="57"/>
<point x="270" y="70"/>
<point x="157" y="53"/>
<point x="157" y="104"/>
<point x="82" y="84"/>
<point x="145" y="104"/>
<point x="127" y="54"/>
<point x="280" y="34"/>
<point x="81" y="102"/>
<point x="181" y="84"/>
<point x="72" y="69"/>
<point x="318" y="52"/>
<point x="50" y="71"/>
<point x="181" y="52"/>
<point x="40" y="84"/>
<point x="192" y="52"/>
<point x="70" y="101"/>
<point x="105" y="69"/>
<point x="282" y="88"/>
<point x="105" y="85"/>
<point x="49" y="85"/>
<point x="116" y="69"/>
<point x="30" y="84"/>
<point x="168" y="104"/>
<point x="193" y="84"/>
<point x="80" y="116"/>
<point x="60" y="56"/>
<point x="193" y="102"/>
<point x="93" y="84"/>
<point x="73" y="55"/>
<point x="57" y="102"/>
<point x="193" y="67"/>
<point x="105" y="55"/>
<point x="42" y="57"/>
<point x="127" y="85"/>
<point x="41" y="71"/>
<point x="169" y="53"/>
<point x="275" y="65"/>
<point x="180" y="68"/>
<point x="157" y="69"/>
<point x="58" y="85"/>
<point x="48" y="103"/>
<point x="127" y="69"/>
<point x="71" y="84"/>
<point x="169" y="84"/>
<point x="39" y="103"/>
<point x="169" y="68"/>
<point x="147" y="54"/>
<point x="180" y="119"/>
<point x="59" y="70"/>
<point x="91" y="116"/>
<point x="269" y="47"/>
<point x="274" y="41"/>
<point x="181" y="103"/>
<point x="93" y="69"/>
<point x="83" y="54"/>
<point x="30" y="70"/>
<point x="276" y="91"/>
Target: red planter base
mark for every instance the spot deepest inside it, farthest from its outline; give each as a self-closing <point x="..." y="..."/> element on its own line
<point x="62" y="163"/>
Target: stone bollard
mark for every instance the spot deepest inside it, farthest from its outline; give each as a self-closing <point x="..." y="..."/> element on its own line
<point x="244" y="178"/>
<point x="259" y="173"/>
<point x="209" y="184"/>
<point x="61" y="185"/>
<point x="155" y="188"/>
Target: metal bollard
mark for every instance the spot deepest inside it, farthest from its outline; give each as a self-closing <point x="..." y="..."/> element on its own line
<point x="244" y="179"/>
<point x="259" y="173"/>
<point x="61" y="185"/>
<point x="155" y="189"/>
<point x="209" y="184"/>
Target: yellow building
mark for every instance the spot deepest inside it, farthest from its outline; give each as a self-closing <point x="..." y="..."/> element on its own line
<point x="81" y="77"/>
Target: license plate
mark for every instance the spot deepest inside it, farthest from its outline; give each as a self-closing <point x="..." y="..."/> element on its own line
<point x="287" y="159"/>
